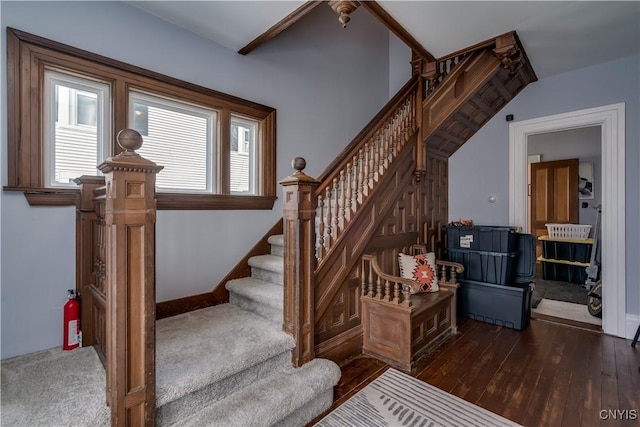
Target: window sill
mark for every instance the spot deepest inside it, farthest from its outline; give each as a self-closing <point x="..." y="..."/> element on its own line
<point x="182" y="201"/>
<point x="165" y="201"/>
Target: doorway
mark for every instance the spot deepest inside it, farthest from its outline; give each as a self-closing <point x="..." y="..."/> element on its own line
<point x="611" y="121"/>
<point x="557" y="161"/>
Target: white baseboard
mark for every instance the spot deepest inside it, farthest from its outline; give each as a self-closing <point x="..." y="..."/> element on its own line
<point x="633" y="320"/>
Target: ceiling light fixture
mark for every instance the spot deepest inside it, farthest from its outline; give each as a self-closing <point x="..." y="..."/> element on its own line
<point x="344" y="9"/>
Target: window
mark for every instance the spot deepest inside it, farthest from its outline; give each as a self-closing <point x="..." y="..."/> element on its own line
<point x="180" y="137"/>
<point x="218" y="151"/>
<point x="75" y="123"/>
<point x="242" y="154"/>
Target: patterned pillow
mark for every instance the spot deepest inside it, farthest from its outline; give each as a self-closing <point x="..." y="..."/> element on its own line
<point x="422" y="269"/>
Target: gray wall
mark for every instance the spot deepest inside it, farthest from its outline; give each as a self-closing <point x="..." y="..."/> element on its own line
<point x="481" y="167"/>
<point x="325" y="82"/>
<point x="581" y="143"/>
<point x="399" y="64"/>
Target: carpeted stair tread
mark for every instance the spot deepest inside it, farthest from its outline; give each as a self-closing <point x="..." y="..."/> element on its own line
<point x="196" y="349"/>
<point x="277" y="244"/>
<point x="276" y="239"/>
<point x="269" y="268"/>
<point x="271" y="263"/>
<point x="263" y="298"/>
<point x="266" y="292"/>
<point x="271" y="400"/>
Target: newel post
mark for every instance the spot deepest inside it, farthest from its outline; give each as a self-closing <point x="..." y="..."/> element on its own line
<point x="130" y="216"/>
<point x="299" y="260"/>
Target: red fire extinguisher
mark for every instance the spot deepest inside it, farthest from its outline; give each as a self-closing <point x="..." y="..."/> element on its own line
<point x="72" y="337"/>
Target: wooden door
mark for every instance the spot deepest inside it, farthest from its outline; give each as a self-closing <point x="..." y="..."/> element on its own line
<point x="554" y="197"/>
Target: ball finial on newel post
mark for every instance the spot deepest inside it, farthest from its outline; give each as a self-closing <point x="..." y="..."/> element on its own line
<point x="129" y="139"/>
<point x="298" y="164"/>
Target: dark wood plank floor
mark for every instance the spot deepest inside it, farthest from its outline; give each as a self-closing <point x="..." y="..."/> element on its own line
<point x="548" y="375"/>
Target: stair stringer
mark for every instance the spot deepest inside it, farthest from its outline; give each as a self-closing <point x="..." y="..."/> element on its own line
<point x="332" y="273"/>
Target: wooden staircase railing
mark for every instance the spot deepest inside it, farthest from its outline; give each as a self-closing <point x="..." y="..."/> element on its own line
<point x="441" y="107"/>
<point x="345" y="186"/>
<point x="116" y="277"/>
<point x="318" y="212"/>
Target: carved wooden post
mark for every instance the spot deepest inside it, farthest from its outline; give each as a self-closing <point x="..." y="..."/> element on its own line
<point x="299" y="260"/>
<point x="130" y="215"/>
<point x="85" y="256"/>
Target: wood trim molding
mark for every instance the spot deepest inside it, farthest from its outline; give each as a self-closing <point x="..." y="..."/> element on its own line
<point x="394" y="26"/>
<point x="184" y="305"/>
<point x="165" y="201"/>
<point x="190" y="201"/>
<point x="48" y="196"/>
<point x="29" y="55"/>
<point x="103" y="60"/>
<point x="279" y="27"/>
<point x="242" y="269"/>
<point x="343" y="347"/>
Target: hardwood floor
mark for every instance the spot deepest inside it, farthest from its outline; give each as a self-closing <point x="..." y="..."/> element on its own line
<point x="547" y="375"/>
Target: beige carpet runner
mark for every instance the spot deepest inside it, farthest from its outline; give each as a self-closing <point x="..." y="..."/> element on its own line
<point x="397" y="399"/>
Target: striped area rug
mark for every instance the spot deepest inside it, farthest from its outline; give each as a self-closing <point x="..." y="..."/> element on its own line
<point x="397" y="399"/>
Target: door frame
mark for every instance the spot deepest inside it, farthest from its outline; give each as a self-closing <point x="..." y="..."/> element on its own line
<point x="611" y="119"/>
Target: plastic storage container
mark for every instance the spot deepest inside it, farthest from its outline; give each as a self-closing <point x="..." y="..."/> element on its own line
<point x="563" y="272"/>
<point x="508" y="306"/>
<point x="525" y="269"/>
<point x="482" y="266"/>
<point x="482" y="238"/>
<point x="566" y="250"/>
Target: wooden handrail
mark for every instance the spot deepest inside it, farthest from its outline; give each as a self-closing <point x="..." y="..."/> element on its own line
<point x="347" y="153"/>
<point x="349" y="181"/>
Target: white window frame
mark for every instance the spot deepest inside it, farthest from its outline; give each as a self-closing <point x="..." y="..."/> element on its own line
<point x="210" y="115"/>
<point x="53" y="77"/>
<point x="251" y="151"/>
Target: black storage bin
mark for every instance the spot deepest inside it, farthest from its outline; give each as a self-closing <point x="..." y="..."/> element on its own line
<point x="508" y="306"/>
<point x="490" y="267"/>
<point x="567" y="251"/>
<point x="482" y="238"/>
<point x="564" y="272"/>
<point x="526" y="260"/>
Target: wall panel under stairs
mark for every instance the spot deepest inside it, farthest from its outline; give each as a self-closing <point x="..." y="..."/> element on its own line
<point x="415" y="211"/>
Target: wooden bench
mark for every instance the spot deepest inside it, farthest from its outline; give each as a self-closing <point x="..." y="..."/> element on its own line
<point x="399" y="328"/>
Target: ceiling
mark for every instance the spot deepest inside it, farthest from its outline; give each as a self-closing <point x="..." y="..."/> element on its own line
<point x="558" y="36"/>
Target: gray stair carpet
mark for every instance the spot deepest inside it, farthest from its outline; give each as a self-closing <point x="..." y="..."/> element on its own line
<point x="257" y="296"/>
<point x="277" y="244"/>
<point x="227" y="365"/>
<point x="267" y="267"/>
<point x="205" y="355"/>
<point x="292" y="398"/>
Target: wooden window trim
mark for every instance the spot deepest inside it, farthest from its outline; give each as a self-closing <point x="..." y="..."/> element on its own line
<point x="27" y="57"/>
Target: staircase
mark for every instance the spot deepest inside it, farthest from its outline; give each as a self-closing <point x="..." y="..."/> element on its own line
<point x="226" y="365"/>
<point x="231" y="364"/>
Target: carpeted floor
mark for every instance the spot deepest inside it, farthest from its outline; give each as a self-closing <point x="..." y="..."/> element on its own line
<point x="397" y="399"/>
<point x="558" y="291"/>
<point x="65" y="386"/>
